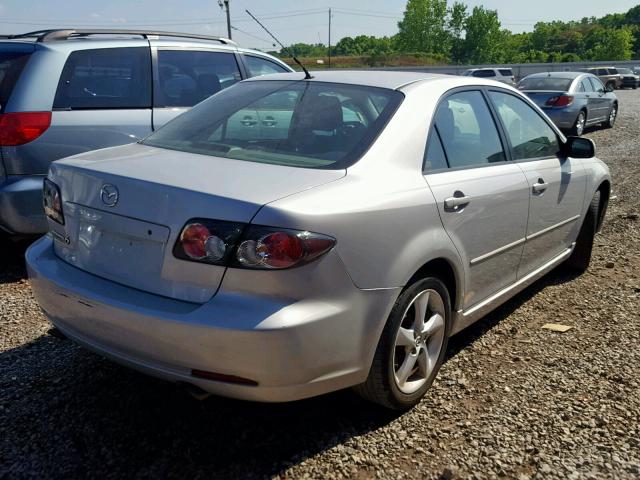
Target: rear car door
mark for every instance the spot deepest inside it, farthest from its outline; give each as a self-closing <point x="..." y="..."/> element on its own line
<point x="185" y="77"/>
<point x="600" y="100"/>
<point x="103" y="99"/>
<point x="556" y="184"/>
<point x="483" y="199"/>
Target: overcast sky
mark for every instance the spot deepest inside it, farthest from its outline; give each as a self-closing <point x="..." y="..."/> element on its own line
<point x="291" y="20"/>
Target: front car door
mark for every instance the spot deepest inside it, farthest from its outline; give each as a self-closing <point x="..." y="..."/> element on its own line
<point x="556" y="184"/>
<point x="482" y="198"/>
<point x="185" y="77"/>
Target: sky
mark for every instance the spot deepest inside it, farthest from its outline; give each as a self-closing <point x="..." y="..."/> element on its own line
<point x="291" y="20"/>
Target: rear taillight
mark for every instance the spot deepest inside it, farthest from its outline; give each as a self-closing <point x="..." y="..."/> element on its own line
<point x="560" y="101"/>
<point x="52" y="201"/>
<point x="248" y="246"/>
<point x="22" y="127"/>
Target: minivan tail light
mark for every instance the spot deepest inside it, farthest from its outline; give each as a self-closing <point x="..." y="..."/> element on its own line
<point x="248" y="246"/>
<point x="18" y="128"/>
<point x="560" y="101"/>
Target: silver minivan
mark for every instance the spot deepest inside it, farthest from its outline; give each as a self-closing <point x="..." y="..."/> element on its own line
<point x="64" y="92"/>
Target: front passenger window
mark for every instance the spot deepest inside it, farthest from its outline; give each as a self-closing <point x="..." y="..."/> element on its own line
<point x="529" y="134"/>
<point x="468" y="132"/>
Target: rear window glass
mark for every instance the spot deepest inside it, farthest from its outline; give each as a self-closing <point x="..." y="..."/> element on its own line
<point x="106" y="78"/>
<point x="484" y="73"/>
<point x="262" y="66"/>
<point x="506" y="72"/>
<point x="294" y="123"/>
<point x="545" y="83"/>
<point x="188" y="77"/>
<point x="11" y="65"/>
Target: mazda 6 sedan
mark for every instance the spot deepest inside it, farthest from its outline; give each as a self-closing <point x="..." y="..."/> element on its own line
<point x="290" y="237"/>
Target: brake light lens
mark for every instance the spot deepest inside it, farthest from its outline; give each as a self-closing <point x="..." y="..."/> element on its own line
<point x="52" y="201"/>
<point x="22" y="127"/>
<point x="560" y="101"/>
<point x="248" y="246"/>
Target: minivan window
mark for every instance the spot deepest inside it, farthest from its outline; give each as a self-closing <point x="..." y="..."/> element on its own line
<point x="105" y="78"/>
<point x="530" y="136"/>
<point x="506" y="72"/>
<point x="284" y="122"/>
<point x="11" y="65"/>
<point x="467" y="130"/>
<point x="187" y="77"/>
<point x="262" y="66"/>
<point x="484" y="73"/>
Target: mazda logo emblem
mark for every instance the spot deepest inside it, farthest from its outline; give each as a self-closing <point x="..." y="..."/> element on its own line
<point x="109" y="195"/>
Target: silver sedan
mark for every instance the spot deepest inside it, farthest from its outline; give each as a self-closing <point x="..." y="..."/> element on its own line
<point x="289" y="237"/>
<point x="573" y="100"/>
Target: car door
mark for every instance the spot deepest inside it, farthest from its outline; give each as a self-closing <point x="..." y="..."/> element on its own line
<point x="103" y="99"/>
<point x="556" y="184"/>
<point x="600" y="100"/>
<point x="483" y="199"/>
<point x="185" y="77"/>
<point x="592" y="101"/>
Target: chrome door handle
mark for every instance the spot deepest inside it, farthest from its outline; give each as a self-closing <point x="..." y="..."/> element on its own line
<point x="540" y="186"/>
<point x="454" y="203"/>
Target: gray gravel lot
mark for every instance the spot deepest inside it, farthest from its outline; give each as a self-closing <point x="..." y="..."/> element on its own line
<point x="512" y="400"/>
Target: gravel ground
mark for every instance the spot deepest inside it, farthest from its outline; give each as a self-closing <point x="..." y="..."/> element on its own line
<point x="512" y="400"/>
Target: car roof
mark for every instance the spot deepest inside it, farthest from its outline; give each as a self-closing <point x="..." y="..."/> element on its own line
<point x="371" y="78"/>
<point x="567" y="75"/>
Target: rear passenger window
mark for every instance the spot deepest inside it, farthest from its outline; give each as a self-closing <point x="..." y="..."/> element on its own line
<point x="597" y="84"/>
<point x="106" y="78"/>
<point x="262" y="66"/>
<point x="11" y="65"/>
<point x="529" y="134"/>
<point x="586" y="86"/>
<point x="506" y="72"/>
<point x="188" y="77"/>
<point x="484" y="73"/>
<point x="434" y="156"/>
<point x="467" y="130"/>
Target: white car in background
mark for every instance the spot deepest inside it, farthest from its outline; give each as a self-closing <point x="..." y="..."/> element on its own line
<point x="504" y="75"/>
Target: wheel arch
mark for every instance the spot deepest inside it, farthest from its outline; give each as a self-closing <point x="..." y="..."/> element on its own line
<point x="605" y="192"/>
<point x="446" y="271"/>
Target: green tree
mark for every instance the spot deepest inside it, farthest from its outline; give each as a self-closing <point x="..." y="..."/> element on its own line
<point x="610" y="44"/>
<point x="484" y="40"/>
<point x="424" y="27"/>
<point x="457" y="19"/>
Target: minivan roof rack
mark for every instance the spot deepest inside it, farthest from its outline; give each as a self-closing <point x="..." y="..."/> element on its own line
<point x="64" y="34"/>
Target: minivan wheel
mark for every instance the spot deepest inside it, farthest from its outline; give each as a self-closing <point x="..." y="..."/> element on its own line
<point x="411" y="348"/>
<point x="578" y="126"/>
<point x="580" y="258"/>
<point x="613" y="114"/>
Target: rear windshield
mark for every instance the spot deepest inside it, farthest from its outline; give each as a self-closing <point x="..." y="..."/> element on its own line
<point x="545" y="83"/>
<point x="293" y="123"/>
<point x="506" y="72"/>
<point x="11" y="65"/>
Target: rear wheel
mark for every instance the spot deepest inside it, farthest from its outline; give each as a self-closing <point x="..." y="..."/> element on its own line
<point x="613" y="114"/>
<point x="581" y="256"/>
<point x="411" y="348"/>
<point x="578" y="126"/>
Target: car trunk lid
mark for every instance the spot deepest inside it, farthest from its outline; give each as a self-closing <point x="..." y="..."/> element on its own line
<point x="129" y="239"/>
<point x="540" y="97"/>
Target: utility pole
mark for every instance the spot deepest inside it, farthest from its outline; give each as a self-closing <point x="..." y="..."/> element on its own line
<point x="329" y="48"/>
<point x="224" y="4"/>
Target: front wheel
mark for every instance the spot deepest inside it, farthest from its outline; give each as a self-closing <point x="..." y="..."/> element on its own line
<point x="411" y="348"/>
<point x="613" y="114"/>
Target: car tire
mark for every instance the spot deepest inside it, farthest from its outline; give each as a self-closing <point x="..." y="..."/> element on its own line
<point x="613" y="115"/>
<point x="390" y="382"/>
<point x="579" y="124"/>
<point x="580" y="258"/>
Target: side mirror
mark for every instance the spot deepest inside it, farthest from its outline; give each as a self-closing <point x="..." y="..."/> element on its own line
<point x="579" y="147"/>
<point x="608" y="88"/>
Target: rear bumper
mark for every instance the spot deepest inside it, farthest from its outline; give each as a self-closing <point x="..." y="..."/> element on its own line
<point x="564" y="118"/>
<point x="21" y="211"/>
<point x="292" y="348"/>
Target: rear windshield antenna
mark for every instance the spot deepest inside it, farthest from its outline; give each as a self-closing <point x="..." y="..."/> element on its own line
<point x="307" y="75"/>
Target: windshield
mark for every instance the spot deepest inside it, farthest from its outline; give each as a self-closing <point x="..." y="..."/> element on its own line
<point x="625" y="71"/>
<point x="293" y="123"/>
<point x="545" y="83"/>
<point x="11" y="64"/>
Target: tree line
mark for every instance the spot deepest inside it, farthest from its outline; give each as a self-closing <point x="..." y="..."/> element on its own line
<point x="454" y="34"/>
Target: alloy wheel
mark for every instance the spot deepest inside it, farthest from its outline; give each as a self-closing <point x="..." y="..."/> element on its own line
<point x="580" y="124"/>
<point x="419" y="341"/>
<point x="612" y="116"/>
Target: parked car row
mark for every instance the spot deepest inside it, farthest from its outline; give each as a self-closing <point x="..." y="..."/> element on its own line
<point x="64" y="92"/>
<point x="573" y="100"/>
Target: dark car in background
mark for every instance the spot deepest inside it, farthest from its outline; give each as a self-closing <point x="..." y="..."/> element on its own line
<point x="573" y="100"/>
<point x="629" y="78"/>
